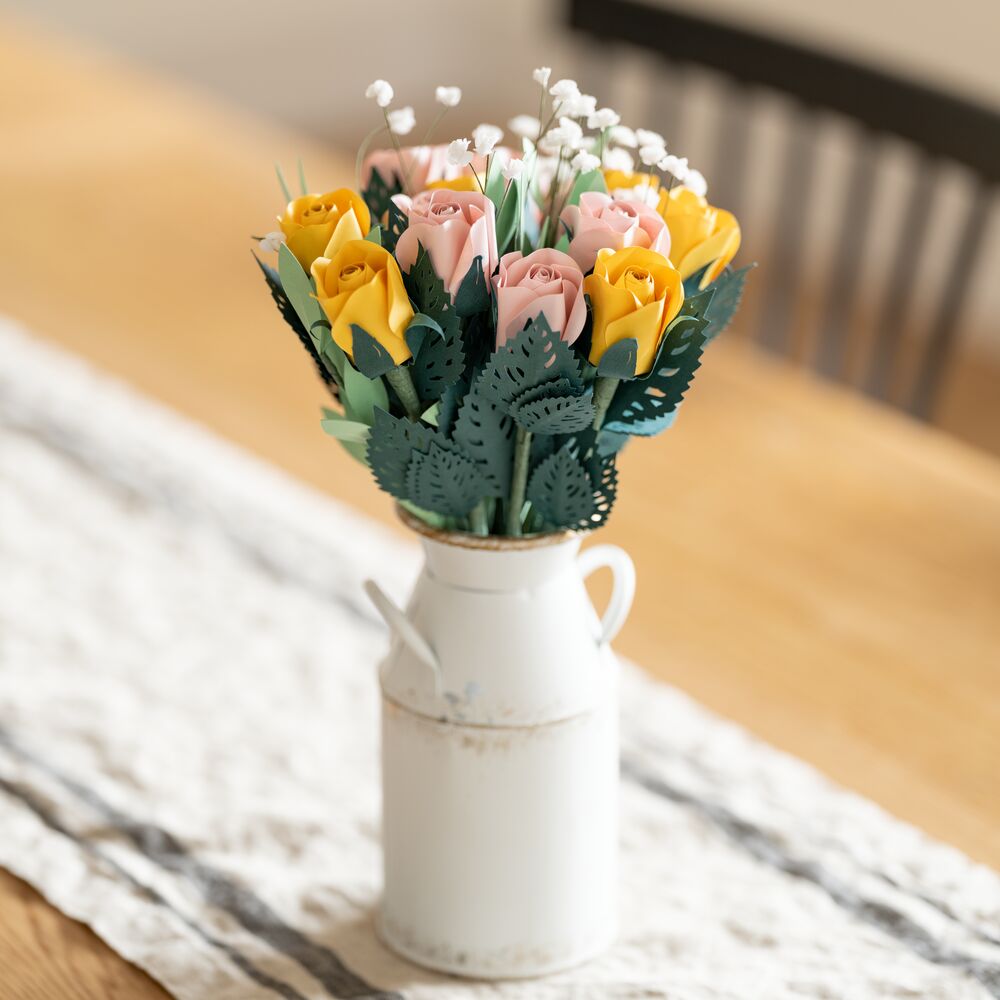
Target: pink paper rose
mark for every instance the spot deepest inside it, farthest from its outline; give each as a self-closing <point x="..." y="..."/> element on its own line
<point x="422" y="164"/>
<point x="454" y="227"/>
<point x="601" y="221"/>
<point x="545" y="282"/>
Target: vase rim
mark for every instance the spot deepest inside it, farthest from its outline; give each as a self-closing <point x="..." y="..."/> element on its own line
<point x="484" y="543"/>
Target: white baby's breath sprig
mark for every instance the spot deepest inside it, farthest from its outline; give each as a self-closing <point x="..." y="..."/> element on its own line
<point x="695" y="181"/>
<point x="401" y="121"/>
<point x="512" y="169"/>
<point x="458" y="154"/>
<point x="541" y="75"/>
<point x="562" y="90"/>
<point x="486" y="137"/>
<point x="525" y="126"/>
<point x="619" y="159"/>
<point x="646" y="137"/>
<point x="677" y="166"/>
<point x="271" y="241"/>
<point x="449" y="97"/>
<point x="577" y="106"/>
<point x="584" y="162"/>
<point x="381" y="92"/>
<point x="651" y="155"/>
<point x="603" y="118"/>
<point x="622" y="135"/>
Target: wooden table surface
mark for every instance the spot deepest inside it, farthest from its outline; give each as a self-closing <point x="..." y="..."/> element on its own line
<point x="825" y="572"/>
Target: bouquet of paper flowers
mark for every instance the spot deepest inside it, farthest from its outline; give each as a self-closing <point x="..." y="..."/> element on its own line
<point x="494" y="323"/>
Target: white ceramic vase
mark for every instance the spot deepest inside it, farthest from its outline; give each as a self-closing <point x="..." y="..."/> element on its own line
<point x="500" y="756"/>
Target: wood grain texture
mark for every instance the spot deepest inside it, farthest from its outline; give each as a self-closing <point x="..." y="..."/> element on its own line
<point x="822" y="570"/>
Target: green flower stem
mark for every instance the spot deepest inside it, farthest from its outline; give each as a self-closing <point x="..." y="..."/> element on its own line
<point x="362" y="149"/>
<point x="402" y="382"/>
<point x="604" y="391"/>
<point x="477" y="519"/>
<point x="519" y="480"/>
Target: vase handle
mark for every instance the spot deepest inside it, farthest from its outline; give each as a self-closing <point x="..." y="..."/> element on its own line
<point x="403" y="628"/>
<point x="620" y="564"/>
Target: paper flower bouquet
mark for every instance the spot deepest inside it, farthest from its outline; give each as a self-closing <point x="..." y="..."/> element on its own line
<point x="495" y="323"/>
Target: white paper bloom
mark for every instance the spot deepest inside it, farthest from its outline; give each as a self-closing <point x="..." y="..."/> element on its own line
<point x="569" y="135"/>
<point x="562" y="90"/>
<point x="541" y="75"/>
<point x="381" y="91"/>
<point x="486" y="137"/>
<point x="652" y="154"/>
<point x="448" y="96"/>
<point x="676" y="165"/>
<point x="585" y="162"/>
<point x="525" y="126"/>
<point x="272" y="241"/>
<point x="619" y="159"/>
<point x="623" y="136"/>
<point x="401" y="121"/>
<point x="512" y="169"/>
<point x="695" y="181"/>
<point x="644" y="137"/>
<point x="577" y="106"/>
<point x="603" y="118"/>
<point x="458" y="153"/>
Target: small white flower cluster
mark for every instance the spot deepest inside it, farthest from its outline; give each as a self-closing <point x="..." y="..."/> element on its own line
<point x="402" y="121"/>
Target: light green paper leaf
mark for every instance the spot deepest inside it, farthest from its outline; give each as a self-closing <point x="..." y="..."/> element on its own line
<point x="298" y="287"/>
<point x="592" y="180"/>
<point x="339" y="426"/>
<point x="375" y="235"/>
<point x="508" y="217"/>
<point x="361" y="396"/>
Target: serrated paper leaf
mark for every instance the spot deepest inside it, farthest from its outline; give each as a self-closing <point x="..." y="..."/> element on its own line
<point x="698" y="303"/>
<point x="728" y="289"/>
<point x="604" y="477"/>
<point x="446" y="482"/>
<point x="396" y="223"/>
<point x="473" y="295"/>
<point x="370" y="357"/>
<point x="556" y="414"/>
<point x="378" y="194"/>
<point x="325" y="369"/>
<point x="391" y="446"/>
<point x="618" y="361"/>
<point x="645" y="406"/>
<point x="421" y="329"/>
<point x="535" y="356"/>
<point x="561" y="490"/>
<point x="486" y="434"/>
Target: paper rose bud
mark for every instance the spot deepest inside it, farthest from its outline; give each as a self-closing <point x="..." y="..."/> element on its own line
<point x="599" y="222"/>
<point x="485" y="138"/>
<point x="700" y="234"/>
<point x="525" y="126"/>
<point x="315" y="225"/>
<point x="454" y="227"/>
<point x="448" y="96"/>
<point x="541" y="75"/>
<point x="603" y="118"/>
<point x="634" y="293"/>
<point x="401" y="121"/>
<point x="458" y="153"/>
<point x="382" y="93"/>
<point x="513" y="169"/>
<point x="361" y="285"/>
<point x="545" y="282"/>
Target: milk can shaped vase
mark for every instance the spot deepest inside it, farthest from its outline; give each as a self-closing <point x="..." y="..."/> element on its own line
<point x="500" y="755"/>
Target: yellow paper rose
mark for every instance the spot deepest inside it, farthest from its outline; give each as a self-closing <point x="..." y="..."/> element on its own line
<point x="317" y="225"/>
<point x="634" y="293"/>
<point x="700" y="234"/>
<point x="361" y="284"/>
<point x="615" y="180"/>
<point x="461" y="183"/>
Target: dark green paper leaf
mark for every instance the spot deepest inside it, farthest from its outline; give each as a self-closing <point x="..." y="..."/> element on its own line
<point x="391" y="446"/>
<point x="556" y="414"/>
<point x="473" y="295"/>
<point x="535" y="356"/>
<point x="396" y="223"/>
<point x="370" y="357"/>
<point x="507" y="217"/>
<point x="446" y="482"/>
<point x="728" y="293"/>
<point x="486" y="434"/>
<point x="561" y="490"/>
<point x="378" y="194"/>
<point x="421" y="329"/>
<point x="618" y="361"/>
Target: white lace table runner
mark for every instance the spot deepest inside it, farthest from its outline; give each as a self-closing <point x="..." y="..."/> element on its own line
<point x="188" y="751"/>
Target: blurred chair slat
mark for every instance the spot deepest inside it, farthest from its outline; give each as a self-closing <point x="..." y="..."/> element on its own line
<point x="941" y="337"/>
<point x="902" y="278"/>
<point x="856" y="211"/>
<point x="941" y="125"/>
<point x="785" y="260"/>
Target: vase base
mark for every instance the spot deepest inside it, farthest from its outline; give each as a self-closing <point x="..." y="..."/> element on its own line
<point x="508" y="965"/>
